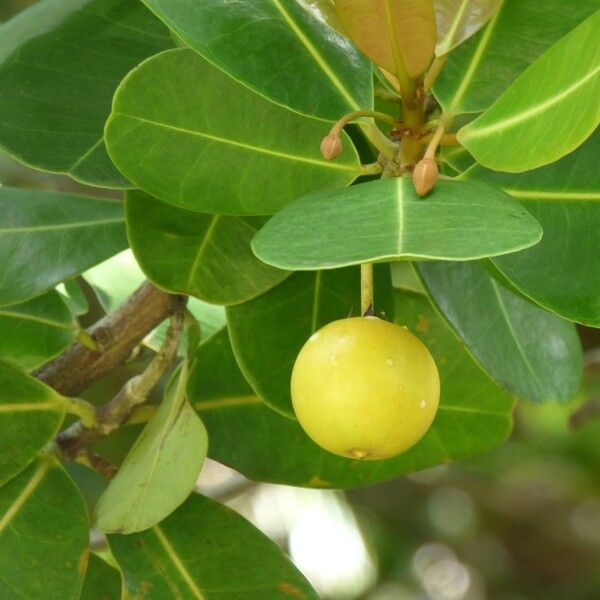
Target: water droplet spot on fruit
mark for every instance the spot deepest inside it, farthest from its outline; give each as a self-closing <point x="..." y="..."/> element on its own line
<point x="422" y="404"/>
<point x="313" y="337"/>
<point x="333" y="359"/>
<point x="390" y="362"/>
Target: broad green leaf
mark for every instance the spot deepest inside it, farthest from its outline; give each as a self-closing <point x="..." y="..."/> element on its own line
<point x="35" y="331"/>
<point x="43" y="535"/>
<point x="102" y="582"/>
<point x="30" y="416"/>
<point x="547" y="112"/>
<point x="174" y="132"/>
<point x="474" y="415"/>
<point x="206" y="256"/>
<point x="161" y="468"/>
<point x="47" y="237"/>
<point x="205" y="551"/>
<point x="560" y="273"/>
<point x="324" y="10"/>
<point x="480" y="70"/>
<point x="398" y="35"/>
<point x="59" y="67"/>
<point x="458" y="20"/>
<point x="311" y="68"/>
<point x="527" y="350"/>
<point x="268" y="332"/>
<point x="385" y="219"/>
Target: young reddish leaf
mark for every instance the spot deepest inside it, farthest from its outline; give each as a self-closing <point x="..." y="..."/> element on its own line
<point x="398" y="35"/>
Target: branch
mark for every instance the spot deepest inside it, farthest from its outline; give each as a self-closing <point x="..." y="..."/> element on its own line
<point x="117" y="335"/>
<point x="74" y="441"/>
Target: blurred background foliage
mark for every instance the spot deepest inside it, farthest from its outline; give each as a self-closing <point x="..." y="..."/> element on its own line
<point x="520" y="523"/>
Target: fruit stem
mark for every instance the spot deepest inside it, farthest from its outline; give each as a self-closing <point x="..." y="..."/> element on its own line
<point x="366" y="288"/>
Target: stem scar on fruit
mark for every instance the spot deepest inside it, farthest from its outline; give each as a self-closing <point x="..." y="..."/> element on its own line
<point x="365" y="388"/>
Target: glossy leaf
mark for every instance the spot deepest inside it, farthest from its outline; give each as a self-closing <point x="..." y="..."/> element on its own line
<point x="43" y="535"/>
<point x="480" y="70"/>
<point x="47" y="237"/>
<point x="397" y="35"/>
<point x="208" y="160"/>
<point x="268" y="332"/>
<point x="458" y="20"/>
<point x="161" y="468"/>
<point x="102" y="582"/>
<point x="560" y="273"/>
<point x="206" y="256"/>
<point x="205" y="551"/>
<point x="35" y="331"/>
<point x="58" y="71"/>
<point x="312" y="69"/>
<point x="527" y="350"/>
<point x="324" y="10"/>
<point x="385" y="219"/>
<point x="547" y="112"/>
<point x="474" y="415"/>
<point x="30" y="416"/>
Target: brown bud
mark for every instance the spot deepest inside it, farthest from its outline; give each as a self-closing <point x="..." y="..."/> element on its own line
<point x="331" y="146"/>
<point x="425" y="176"/>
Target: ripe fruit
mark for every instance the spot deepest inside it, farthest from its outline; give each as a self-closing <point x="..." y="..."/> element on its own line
<point x="365" y="388"/>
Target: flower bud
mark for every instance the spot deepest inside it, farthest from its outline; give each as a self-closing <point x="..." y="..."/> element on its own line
<point x="425" y="176"/>
<point x="331" y="146"/>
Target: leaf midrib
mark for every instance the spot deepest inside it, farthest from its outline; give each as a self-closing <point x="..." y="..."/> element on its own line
<point x="531" y="112"/>
<point x="316" y="55"/>
<point x="60" y="226"/>
<point x="258" y="149"/>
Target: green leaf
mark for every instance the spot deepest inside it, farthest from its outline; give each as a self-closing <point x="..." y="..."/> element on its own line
<point x="30" y="416"/>
<point x="458" y="20"/>
<point x="47" y="237"/>
<point x="547" y="112"/>
<point x="206" y="256"/>
<point x="35" y="331"/>
<point x="479" y="71"/>
<point x="527" y="350"/>
<point x="205" y="158"/>
<point x="385" y="219"/>
<point x="60" y="65"/>
<point x="268" y="332"/>
<point x="43" y="535"/>
<point x="560" y="273"/>
<point x="398" y="36"/>
<point x="102" y="582"/>
<point x="205" y="551"/>
<point x="474" y="415"/>
<point x="311" y="68"/>
<point x="161" y="468"/>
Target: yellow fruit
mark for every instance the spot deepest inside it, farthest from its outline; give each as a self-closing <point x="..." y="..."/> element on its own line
<point x="365" y="388"/>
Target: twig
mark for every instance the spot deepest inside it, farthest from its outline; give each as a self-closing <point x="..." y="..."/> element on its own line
<point x="74" y="440"/>
<point x="116" y="335"/>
